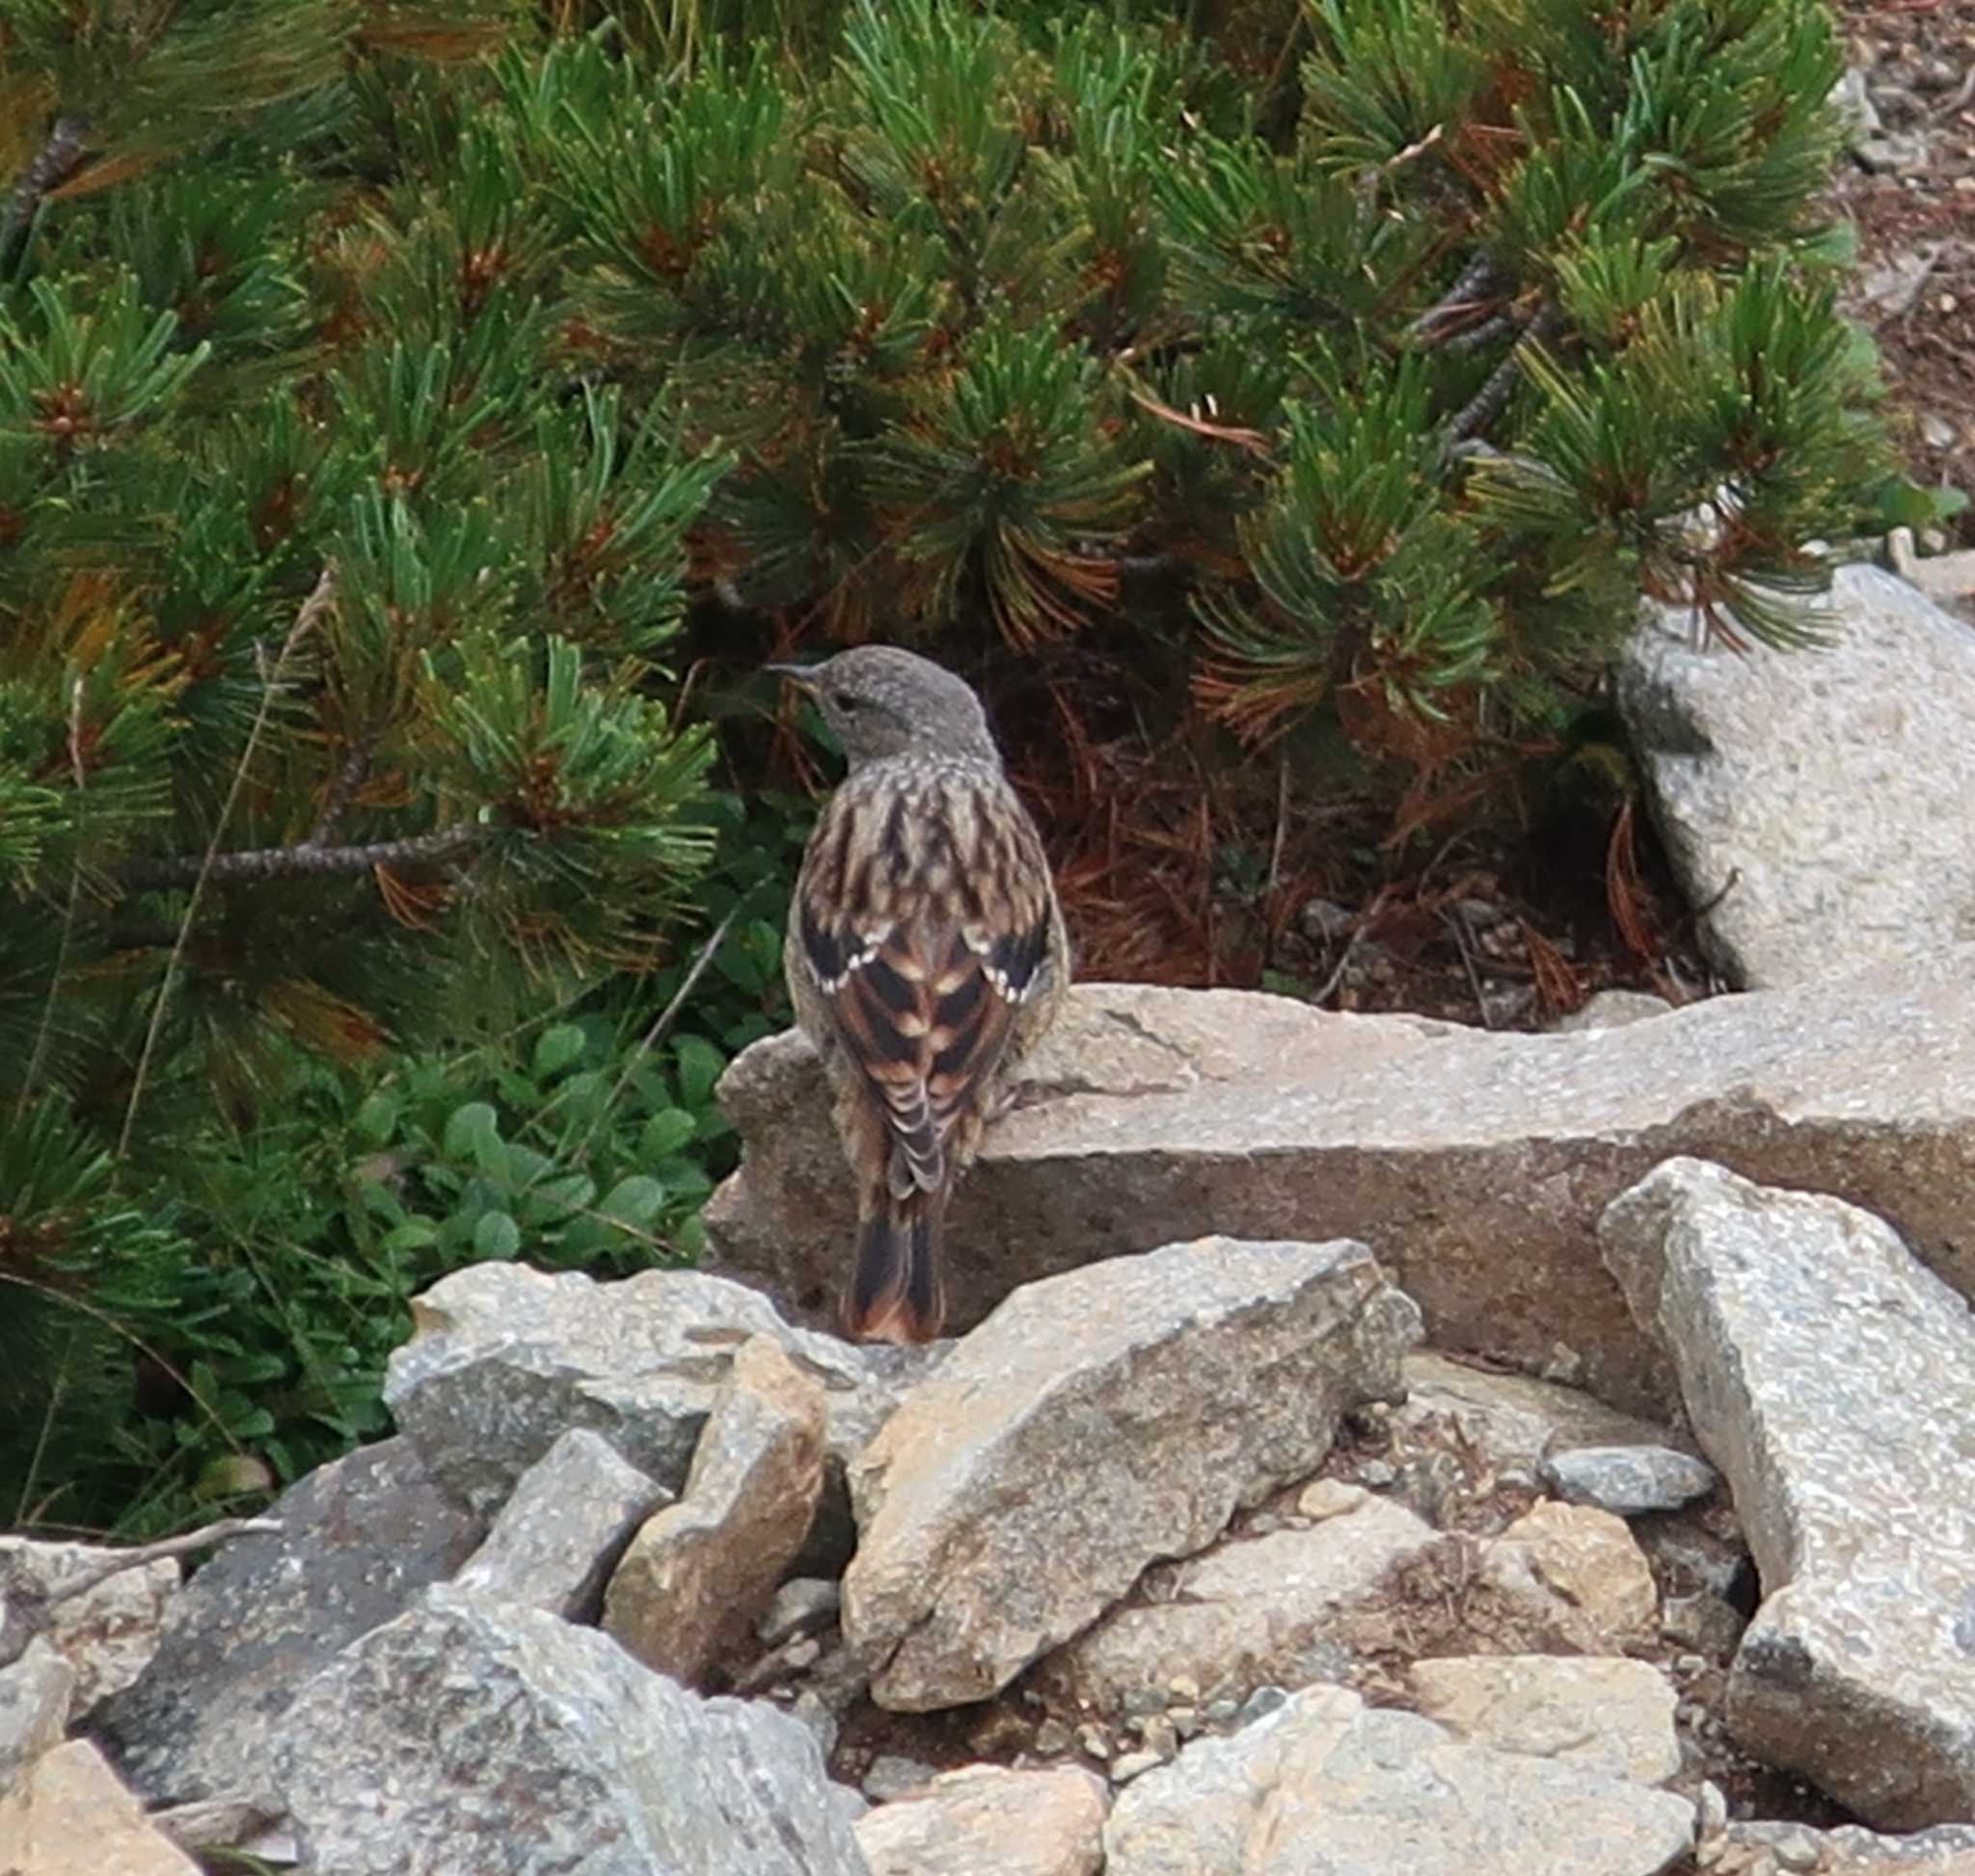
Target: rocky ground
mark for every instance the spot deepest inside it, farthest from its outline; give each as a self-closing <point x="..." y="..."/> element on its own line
<point x="1909" y="191"/>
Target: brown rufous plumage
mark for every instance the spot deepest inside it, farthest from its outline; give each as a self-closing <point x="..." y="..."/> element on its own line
<point x="926" y="955"/>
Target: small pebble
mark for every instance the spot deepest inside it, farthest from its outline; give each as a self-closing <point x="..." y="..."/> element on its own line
<point x="801" y="1654"/>
<point x="1378" y="1474"/>
<point x="801" y="1604"/>
<point x="1127" y="1768"/>
<point x="1184" y="1690"/>
<point x="1264" y="1524"/>
<point x="1143" y="1701"/>
<point x="1052" y="1739"/>
<point x="809" y="1708"/>
<point x="1161" y="1737"/>
<point x="1329" y="1498"/>
<point x="1711" y="1810"/>
<point x="1688" y="1713"/>
<point x="1259" y="1705"/>
<point x="1220" y="1713"/>
<point x="892" y="1774"/>
<point x="1797" y="1850"/>
<point x="1094" y="1741"/>
<point x="1691" y="1664"/>
<point x="1185" y="1720"/>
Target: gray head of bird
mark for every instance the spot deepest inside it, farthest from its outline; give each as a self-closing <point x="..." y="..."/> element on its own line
<point x="881" y="701"/>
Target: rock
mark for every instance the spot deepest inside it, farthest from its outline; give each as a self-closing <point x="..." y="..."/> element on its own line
<point x="1501" y="1427"/>
<point x="1835" y="787"/>
<point x="1607" y="1714"/>
<point x="361" y="1537"/>
<point x="1326" y="1784"/>
<point x="1329" y="1498"/>
<point x="700" y="1572"/>
<point x="556" y="1542"/>
<point x="503" y="1360"/>
<point x="106" y="1634"/>
<point x="1612" y="1010"/>
<point x="1629" y="1479"/>
<point x="34" y="1706"/>
<point x="1831" y="1379"/>
<point x="1157" y="1115"/>
<point x="476" y="1735"/>
<point x="1247" y="1611"/>
<point x="213" y="1823"/>
<point x="69" y="1814"/>
<point x="984" y="1821"/>
<point x="800" y="1606"/>
<point x="1574" y="1577"/>
<point x="1947" y="1850"/>
<point x="892" y="1774"/>
<point x="1097" y="1421"/>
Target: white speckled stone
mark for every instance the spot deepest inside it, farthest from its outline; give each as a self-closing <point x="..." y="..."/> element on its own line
<point x="1831" y="1378"/>
<point x="1837" y="786"/>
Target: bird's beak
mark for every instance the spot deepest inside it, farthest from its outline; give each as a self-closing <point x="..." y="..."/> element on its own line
<point x="803" y="676"/>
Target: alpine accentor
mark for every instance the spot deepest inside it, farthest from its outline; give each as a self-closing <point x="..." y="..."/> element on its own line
<point x="926" y="955"/>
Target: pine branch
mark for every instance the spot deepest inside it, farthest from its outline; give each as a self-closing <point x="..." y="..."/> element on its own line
<point x="349" y="779"/>
<point x="309" y="859"/>
<point x="1480" y="280"/>
<point x="53" y="164"/>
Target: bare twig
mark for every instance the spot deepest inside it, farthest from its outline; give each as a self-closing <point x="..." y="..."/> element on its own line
<point x="57" y="159"/>
<point x="1456" y="922"/>
<point x="349" y="779"/>
<point x="313" y="609"/>
<point x="1477" y="281"/>
<point x="1486" y="404"/>
<point x="307" y="859"/>
<point x="652" y="1035"/>
<point x="24" y="1612"/>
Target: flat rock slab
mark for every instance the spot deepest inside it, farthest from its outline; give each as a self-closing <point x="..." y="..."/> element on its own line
<point x="1834" y="788"/>
<point x="564" y="1528"/>
<point x="1325" y="1784"/>
<point x="982" y="1820"/>
<point x="1096" y="1421"/>
<point x="1831" y="1378"/>
<point x="1603" y="1712"/>
<point x="469" y="1736"/>
<point x="1476" y="1164"/>
<point x="1249" y="1611"/>
<point x="700" y="1572"/>
<point x="71" y="1814"/>
<point x="359" y="1538"/>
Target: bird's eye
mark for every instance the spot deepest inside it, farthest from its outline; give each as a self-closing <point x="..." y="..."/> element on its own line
<point x="845" y="700"/>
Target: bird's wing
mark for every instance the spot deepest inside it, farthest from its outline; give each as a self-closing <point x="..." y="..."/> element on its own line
<point x="923" y="915"/>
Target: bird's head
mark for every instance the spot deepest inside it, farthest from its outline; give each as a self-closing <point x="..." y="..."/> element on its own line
<point x="882" y="701"/>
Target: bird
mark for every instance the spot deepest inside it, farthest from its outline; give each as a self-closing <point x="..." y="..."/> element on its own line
<point x="925" y="956"/>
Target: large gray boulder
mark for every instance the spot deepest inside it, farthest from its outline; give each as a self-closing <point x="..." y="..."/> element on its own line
<point x="476" y="1738"/>
<point x="1477" y="1164"/>
<point x="1096" y="1421"/>
<point x="1818" y="806"/>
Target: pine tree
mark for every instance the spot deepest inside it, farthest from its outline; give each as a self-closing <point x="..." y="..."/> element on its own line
<point x="385" y="385"/>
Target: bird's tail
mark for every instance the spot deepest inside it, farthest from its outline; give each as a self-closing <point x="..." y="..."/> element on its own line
<point x="897" y="1295"/>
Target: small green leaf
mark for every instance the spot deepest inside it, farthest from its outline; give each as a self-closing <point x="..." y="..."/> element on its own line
<point x="555" y="1048"/>
<point x="700" y="1066"/>
<point x="413" y="1234"/>
<point x="664" y="1133"/>
<point x="467" y="1127"/>
<point x="634" y="1202"/>
<point x="376" y="1120"/>
<point x="497" y="1236"/>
